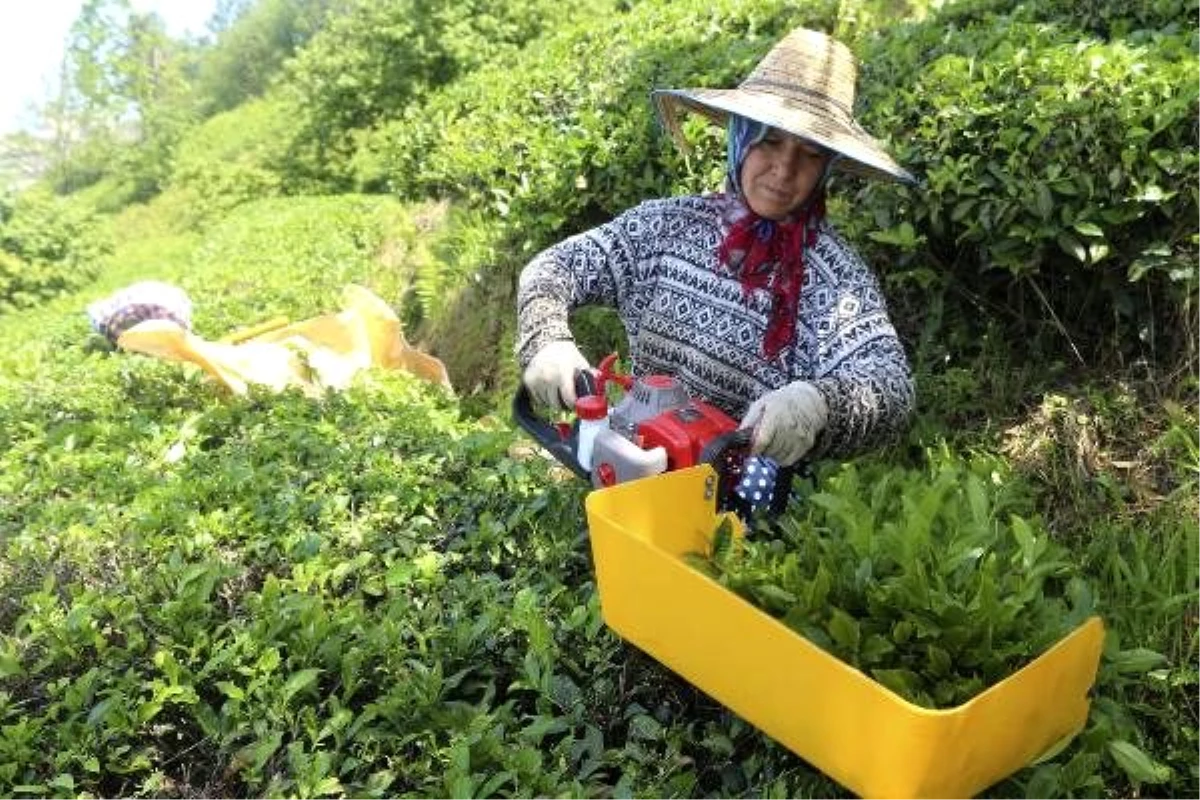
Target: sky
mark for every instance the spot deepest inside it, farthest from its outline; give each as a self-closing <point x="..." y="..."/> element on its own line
<point x="32" y="33"/>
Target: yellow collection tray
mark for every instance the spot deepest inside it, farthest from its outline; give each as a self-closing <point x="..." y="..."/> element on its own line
<point x="852" y="728"/>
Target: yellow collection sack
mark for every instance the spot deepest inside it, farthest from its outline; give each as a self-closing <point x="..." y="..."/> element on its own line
<point x="316" y="354"/>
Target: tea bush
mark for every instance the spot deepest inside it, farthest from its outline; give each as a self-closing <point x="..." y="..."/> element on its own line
<point x="1058" y="174"/>
<point x="48" y="246"/>
<point x="357" y="595"/>
<point x="384" y="592"/>
<point x="1104" y="19"/>
<point x="232" y="157"/>
<point x="570" y="137"/>
<point x="246" y="609"/>
<point x="938" y="582"/>
<point x="374" y="59"/>
<point x="369" y="595"/>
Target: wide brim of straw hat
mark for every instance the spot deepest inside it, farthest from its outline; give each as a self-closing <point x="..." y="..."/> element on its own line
<point x="805" y="86"/>
<point x="860" y="153"/>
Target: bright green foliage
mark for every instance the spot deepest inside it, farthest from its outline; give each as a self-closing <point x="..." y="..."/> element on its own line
<point x="250" y="50"/>
<point x="366" y="595"/>
<point x="377" y="594"/>
<point x="940" y="580"/>
<point x="375" y="59"/>
<point x="47" y="246"/>
<point x="1106" y="19"/>
<point x="1058" y="171"/>
<point x="281" y="594"/>
<point x="128" y="94"/>
<point x="99" y="60"/>
<point x="571" y="134"/>
<point x="359" y="595"/>
<point x="233" y="157"/>
<point x="936" y="582"/>
<point x="567" y="137"/>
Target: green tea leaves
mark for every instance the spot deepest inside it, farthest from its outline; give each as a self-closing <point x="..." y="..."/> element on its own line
<point x="1136" y="661"/>
<point x="844" y="630"/>
<point x="937" y="582"/>
<point x="298" y="682"/>
<point x="722" y="538"/>
<point x="1137" y="765"/>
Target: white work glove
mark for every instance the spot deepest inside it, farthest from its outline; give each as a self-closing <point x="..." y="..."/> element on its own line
<point x="786" y="422"/>
<point x="550" y="375"/>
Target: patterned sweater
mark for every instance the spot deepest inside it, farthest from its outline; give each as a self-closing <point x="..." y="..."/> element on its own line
<point x="687" y="315"/>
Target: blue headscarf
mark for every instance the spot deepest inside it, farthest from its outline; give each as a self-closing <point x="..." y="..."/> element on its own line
<point x="742" y="134"/>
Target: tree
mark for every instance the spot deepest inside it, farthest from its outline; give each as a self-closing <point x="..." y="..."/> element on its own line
<point x="124" y="101"/>
<point x="22" y="160"/>
<point x="96" y="47"/>
<point x="253" y="42"/>
<point x="226" y="14"/>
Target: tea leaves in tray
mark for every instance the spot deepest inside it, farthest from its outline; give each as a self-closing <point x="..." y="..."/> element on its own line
<point x="934" y="582"/>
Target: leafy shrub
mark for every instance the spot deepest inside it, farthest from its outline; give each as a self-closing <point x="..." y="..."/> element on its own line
<point x="291" y="257"/>
<point x="376" y="58"/>
<point x="250" y="51"/>
<point x="935" y="581"/>
<point x="233" y="157"/>
<point x="366" y="595"/>
<point x="1059" y="174"/>
<point x="266" y="642"/>
<point x="48" y="246"/>
<point x="941" y="579"/>
<point x="23" y="284"/>
<point x="1105" y="19"/>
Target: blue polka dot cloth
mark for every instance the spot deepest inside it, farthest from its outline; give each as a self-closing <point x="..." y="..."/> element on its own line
<point x="758" y="482"/>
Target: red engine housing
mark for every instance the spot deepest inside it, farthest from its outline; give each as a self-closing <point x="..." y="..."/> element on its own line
<point x="683" y="432"/>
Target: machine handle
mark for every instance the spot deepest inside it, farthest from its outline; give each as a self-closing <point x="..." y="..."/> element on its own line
<point x="783" y="486"/>
<point x="562" y="441"/>
<point x="727" y="454"/>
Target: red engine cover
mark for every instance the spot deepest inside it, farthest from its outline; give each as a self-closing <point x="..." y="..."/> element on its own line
<point x="683" y="432"/>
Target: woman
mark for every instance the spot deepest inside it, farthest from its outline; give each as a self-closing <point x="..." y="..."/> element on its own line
<point x="749" y="296"/>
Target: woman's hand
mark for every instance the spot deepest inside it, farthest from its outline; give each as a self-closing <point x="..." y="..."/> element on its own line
<point x="550" y="375"/>
<point x="786" y="422"/>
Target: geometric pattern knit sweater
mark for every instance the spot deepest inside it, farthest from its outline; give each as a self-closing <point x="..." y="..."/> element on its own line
<point x="687" y="315"/>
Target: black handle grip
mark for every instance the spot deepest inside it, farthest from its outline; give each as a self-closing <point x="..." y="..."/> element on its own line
<point x="783" y="486"/>
<point x="585" y="383"/>
<point x="545" y="434"/>
<point x="727" y="454"/>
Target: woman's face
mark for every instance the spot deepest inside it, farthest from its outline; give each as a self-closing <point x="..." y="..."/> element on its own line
<point x="779" y="173"/>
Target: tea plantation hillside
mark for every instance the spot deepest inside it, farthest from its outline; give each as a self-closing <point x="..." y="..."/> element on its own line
<point x="375" y="593"/>
<point x="388" y="591"/>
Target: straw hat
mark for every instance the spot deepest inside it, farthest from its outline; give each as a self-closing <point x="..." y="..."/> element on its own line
<point x="804" y="86"/>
